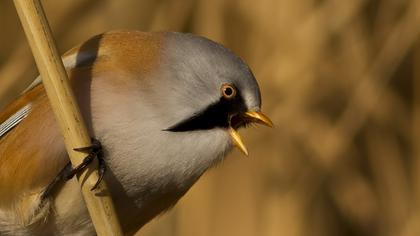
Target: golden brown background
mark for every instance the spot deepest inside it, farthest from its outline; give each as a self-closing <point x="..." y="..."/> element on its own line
<point x="340" y="79"/>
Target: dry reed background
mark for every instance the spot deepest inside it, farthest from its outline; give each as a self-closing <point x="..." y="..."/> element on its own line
<point x="340" y="80"/>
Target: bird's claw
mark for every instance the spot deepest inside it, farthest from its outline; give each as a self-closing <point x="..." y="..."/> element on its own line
<point x="93" y="151"/>
<point x="68" y="172"/>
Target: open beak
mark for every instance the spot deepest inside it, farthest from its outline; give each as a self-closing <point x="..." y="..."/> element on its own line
<point x="248" y="117"/>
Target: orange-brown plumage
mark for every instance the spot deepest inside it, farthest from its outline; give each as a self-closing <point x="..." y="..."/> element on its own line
<point x="32" y="153"/>
<point x="154" y="101"/>
<point x="32" y="149"/>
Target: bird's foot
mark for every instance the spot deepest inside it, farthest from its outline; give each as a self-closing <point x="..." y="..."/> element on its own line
<point x="93" y="151"/>
<point x="68" y="172"/>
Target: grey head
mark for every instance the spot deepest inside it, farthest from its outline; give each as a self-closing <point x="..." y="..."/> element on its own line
<point x="187" y="115"/>
<point x="207" y="87"/>
<point x="183" y="117"/>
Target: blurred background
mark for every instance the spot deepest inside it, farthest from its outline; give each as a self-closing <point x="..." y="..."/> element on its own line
<point x="341" y="82"/>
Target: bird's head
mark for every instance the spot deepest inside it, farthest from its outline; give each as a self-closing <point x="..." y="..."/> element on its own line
<point x="210" y="88"/>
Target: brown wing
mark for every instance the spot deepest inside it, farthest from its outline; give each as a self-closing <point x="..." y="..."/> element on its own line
<point x="33" y="152"/>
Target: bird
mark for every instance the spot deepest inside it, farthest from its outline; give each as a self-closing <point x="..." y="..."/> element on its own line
<point x="165" y="106"/>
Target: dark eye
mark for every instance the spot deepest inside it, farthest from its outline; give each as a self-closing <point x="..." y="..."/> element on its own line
<point x="228" y="91"/>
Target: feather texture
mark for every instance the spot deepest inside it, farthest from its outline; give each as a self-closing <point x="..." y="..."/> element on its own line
<point x="14" y="120"/>
<point x="33" y="152"/>
<point x="130" y="87"/>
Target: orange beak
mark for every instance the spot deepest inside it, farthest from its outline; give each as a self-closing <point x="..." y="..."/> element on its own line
<point x="250" y="116"/>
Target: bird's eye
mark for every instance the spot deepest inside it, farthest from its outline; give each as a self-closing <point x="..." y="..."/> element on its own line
<point x="228" y="91"/>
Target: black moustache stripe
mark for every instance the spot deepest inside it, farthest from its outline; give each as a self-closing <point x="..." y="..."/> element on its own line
<point x="215" y="115"/>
